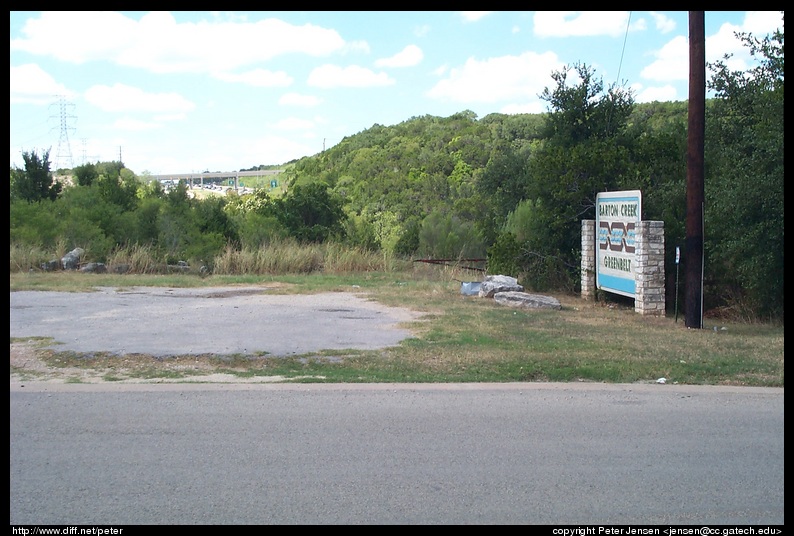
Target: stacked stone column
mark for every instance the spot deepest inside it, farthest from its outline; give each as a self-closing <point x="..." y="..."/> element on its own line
<point x="649" y="292"/>
<point x="649" y="269"/>
<point x="588" y="260"/>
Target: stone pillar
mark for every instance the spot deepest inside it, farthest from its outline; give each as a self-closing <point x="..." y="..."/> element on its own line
<point x="588" y="260"/>
<point x="649" y="269"/>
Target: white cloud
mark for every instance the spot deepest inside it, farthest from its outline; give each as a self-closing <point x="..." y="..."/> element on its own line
<point x="296" y="99"/>
<point x="123" y="98"/>
<point x="331" y="76"/>
<point x="257" y="78"/>
<point x="672" y="62"/>
<point x="497" y="79"/>
<point x="663" y="23"/>
<point x="580" y="23"/>
<point x="76" y="36"/>
<point x="355" y="47"/>
<point x="421" y="31"/>
<point x="134" y="125"/>
<point x="662" y="94"/>
<point x="31" y="84"/>
<point x="407" y="57"/>
<point x="440" y="70"/>
<point x="473" y="16"/>
<point x="760" y="23"/>
<point x="159" y="44"/>
<point x="167" y="118"/>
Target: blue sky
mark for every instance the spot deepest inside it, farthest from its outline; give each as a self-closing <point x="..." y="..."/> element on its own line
<point x="178" y="92"/>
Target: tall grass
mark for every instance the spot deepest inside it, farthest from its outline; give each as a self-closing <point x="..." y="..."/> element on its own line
<point x="136" y="259"/>
<point x="275" y="258"/>
<point x="290" y="257"/>
<point x="282" y="257"/>
<point x="25" y="258"/>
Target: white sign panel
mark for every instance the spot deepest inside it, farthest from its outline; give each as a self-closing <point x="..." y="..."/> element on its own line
<point x="617" y="217"/>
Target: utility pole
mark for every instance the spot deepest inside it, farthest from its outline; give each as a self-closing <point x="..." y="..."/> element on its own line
<point x="695" y="193"/>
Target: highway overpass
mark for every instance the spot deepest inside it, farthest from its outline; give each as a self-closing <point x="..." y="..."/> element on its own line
<point x="217" y="176"/>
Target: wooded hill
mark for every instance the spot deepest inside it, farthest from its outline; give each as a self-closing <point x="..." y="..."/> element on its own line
<point x="512" y="188"/>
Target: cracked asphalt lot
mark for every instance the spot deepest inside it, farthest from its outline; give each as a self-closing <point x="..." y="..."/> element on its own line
<point x="219" y="320"/>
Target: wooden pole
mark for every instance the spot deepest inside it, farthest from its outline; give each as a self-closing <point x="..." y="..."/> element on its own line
<point x="693" y="259"/>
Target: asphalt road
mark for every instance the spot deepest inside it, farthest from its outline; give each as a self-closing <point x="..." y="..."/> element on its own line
<point x="108" y="453"/>
<point x="320" y="454"/>
<point x="223" y="320"/>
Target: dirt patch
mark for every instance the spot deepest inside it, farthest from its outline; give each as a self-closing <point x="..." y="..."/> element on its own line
<point x="29" y="362"/>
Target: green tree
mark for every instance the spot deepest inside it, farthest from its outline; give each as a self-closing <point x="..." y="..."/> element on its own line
<point x="35" y="182"/>
<point x="85" y="175"/>
<point x="745" y="182"/>
<point x="34" y="224"/>
<point x="311" y="213"/>
<point x="120" y="190"/>
<point x="213" y="219"/>
<point x="585" y="153"/>
<point x="582" y="110"/>
<point x="446" y="236"/>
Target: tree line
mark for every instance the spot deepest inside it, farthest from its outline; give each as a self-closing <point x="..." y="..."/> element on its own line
<point x="510" y="188"/>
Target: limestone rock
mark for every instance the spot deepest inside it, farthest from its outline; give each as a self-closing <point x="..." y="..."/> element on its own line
<point x="71" y="261"/>
<point x="498" y="283"/>
<point x="523" y="299"/>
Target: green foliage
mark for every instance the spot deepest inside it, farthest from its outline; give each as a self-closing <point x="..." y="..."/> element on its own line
<point x="80" y="230"/>
<point x="521" y="223"/>
<point x="408" y="243"/>
<point x="745" y="185"/>
<point x="311" y="213"/>
<point x="147" y="224"/>
<point x="89" y="221"/>
<point x="258" y="230"/>
<point x="446" y="236"/>
<point x="85" y="175"/>
<point x="360" y="232"/>
<point x="514" y="186"/>
<point x="582" y="110"/>
<point x="211" y="218"/>
<point x="35" y="182"/>
<point x="110" y="168"/>
<point x="504" y="255"/>
<point x="34" y="224"/>
<point x="120" y="192"/>
<point x="506" y="177"/>
<point x="200" y="249"/>
<point x="565" y="183"/>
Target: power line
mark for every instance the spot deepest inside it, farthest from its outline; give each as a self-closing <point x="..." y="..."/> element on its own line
<point x="620" y="66"/>
<point x="623" y="52"/>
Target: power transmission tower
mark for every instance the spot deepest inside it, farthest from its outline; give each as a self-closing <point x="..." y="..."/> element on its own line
<point x="86" y="157"/>
<point x="63" y="157"/>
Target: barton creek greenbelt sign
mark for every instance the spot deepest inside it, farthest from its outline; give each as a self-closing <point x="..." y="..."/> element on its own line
<point x="617" y="217"/>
